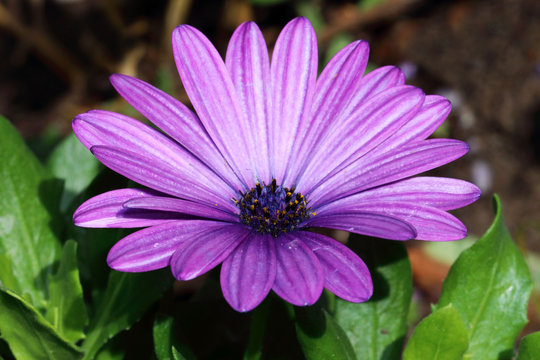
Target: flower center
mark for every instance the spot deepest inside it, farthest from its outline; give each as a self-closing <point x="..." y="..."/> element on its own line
<point x="272" y="209"/>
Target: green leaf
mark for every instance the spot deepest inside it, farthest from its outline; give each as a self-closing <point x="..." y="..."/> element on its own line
<point x="447" y="252"/>
<point x="27" y="332"/>
<point x="166" y="341"/>
<point x="162" y="334"/>
<point x="529" y="348"/>
<point x="176" y="354"/>
<point x="440" y="336"/>
<point x="67" y="311"/>
<point x="280" y="338"/>
<point x="73" y="163"/>
<point x="94" y="244"/>
<point x="111" y="352"/>
<point x="126" y="299"/>
<point x="7" y="277"/>
<point x="377" y="328"/>
<point x="320" y="336"/>
<point x="489" y="286"/>
<point x="257" y="330"/>
<point x="5" y="352"/>
<point x="208" y="324"/>
<point x="28" y="196"/>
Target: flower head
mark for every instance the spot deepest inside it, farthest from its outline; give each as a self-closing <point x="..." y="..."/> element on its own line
<point x="272" y="151"/>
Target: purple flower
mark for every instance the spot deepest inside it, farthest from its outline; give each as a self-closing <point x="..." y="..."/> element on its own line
<point x="271" y="152"/>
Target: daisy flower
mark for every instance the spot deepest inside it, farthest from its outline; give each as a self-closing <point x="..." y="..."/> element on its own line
<point x="272" y="152"/>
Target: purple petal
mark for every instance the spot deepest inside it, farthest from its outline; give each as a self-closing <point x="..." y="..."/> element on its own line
<point x="299" y="275"/>
<point x="201" y="254"/>
<point x="340" y="75"/>
<point x="249" y="67"/>
<point x="293" y="73"/>
<point x="441" y="193"/>
<point x="380" y="117"/>
<point x="333" y="91"/>
<point x="372" y="84"/>
<point x="159" y="176"/>
<point x="365" y="223"/>
<point x="248" y="274"/>
<point x="106" y="210"/>
<point x="345" y="274"/>
<point x="175" y="119"/>
<point x="161" y="203"/>
<point x="212" y="93"/>
<point x="99" y="127"/>
<point x="430" y="223"/>
<point x="432" y="114"/>
<point x="151" y="248"/>
<point x="396" y="164"/>
<point x="117" y="131"/>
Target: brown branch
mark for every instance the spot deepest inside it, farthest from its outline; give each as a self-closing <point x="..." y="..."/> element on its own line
<point x="388" y="10"/>
<point x="176" y="14"/>
<point x="60" y="60"/>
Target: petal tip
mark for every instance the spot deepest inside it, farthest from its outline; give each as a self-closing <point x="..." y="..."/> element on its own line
<point x="183" y="29"/>
<point x="117" y="80"/>
<point x="95" y="149"/>
<point x="247" y="26"/>
<point x="243" y="308"/>
<point x="116" y="77"/>
<point x="114" y="262"/>
<point x="76" y="216"/>
<point x="77" y="119"/>
<point x="360" y="45"/>
<point x="476" y="192"/>
<point x="300" y="23"/>
<point x="181" y="275"/>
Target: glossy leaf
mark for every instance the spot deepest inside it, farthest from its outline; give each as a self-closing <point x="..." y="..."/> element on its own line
<point x="28" y="196"/>
<point x="176" y="354"/>
<point x="73" y="163"/>
<point x="127" y="297"/>
<point x="440" y="336"/>
<point x="7" y="278"/>
<point x="28" y="334"/>
<point x="166" y="341"/>
<point x="94" y="244"/>
<point x="529" y="348"/>
<point x="66" y="310"/>
<point x="489" y="286"/>
<point x="377" y="328"/>
<point x="320" y="336"/>
<point x="111" y="351"/>
<point x="162" y="331"/>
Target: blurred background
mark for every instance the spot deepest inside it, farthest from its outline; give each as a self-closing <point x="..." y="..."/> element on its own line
<point x="484" y="55"/>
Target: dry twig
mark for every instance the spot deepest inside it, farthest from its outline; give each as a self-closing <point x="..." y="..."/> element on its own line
<point x="388" y="10"/>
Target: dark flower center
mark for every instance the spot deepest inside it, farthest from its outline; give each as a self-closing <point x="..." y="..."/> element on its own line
<point x="272" y="209"/>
